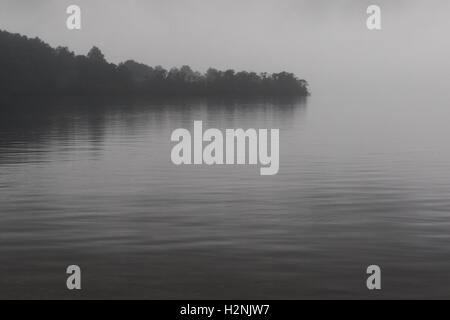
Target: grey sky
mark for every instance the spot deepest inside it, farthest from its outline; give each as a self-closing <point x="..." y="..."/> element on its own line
<point x="323" y="41"/>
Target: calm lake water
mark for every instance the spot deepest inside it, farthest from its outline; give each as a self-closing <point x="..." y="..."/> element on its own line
<point x="361" y="182"/>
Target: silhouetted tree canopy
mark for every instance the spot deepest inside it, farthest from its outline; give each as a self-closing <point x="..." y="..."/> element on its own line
<point x="96" y="55"/>
<point x="30" y="66"/>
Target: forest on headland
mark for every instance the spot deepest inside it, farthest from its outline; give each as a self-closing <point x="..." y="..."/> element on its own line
<point x="32" y="67"/>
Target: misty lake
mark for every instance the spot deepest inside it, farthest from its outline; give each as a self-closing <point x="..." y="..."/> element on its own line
<point x="91" y="183"/>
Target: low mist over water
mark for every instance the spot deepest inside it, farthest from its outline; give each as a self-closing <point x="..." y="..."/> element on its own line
<point x="91" y="182"/>
<point x="363" y="173"/>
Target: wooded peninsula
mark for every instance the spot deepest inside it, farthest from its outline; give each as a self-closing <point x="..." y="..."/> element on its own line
<point x="32" y="67"/>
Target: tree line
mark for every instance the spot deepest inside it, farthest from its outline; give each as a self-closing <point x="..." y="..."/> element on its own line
<point x="30" y="66"/>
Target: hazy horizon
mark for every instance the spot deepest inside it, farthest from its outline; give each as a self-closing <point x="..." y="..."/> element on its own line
<point x="364" y="171"/>
<point x="322" y="42"/>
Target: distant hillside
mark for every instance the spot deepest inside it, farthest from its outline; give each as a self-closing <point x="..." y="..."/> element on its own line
<point x="30" y="66"/>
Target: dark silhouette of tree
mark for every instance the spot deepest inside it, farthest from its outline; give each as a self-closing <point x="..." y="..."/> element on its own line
<point x="30" y="66"/>
<point x="96" y="55"/>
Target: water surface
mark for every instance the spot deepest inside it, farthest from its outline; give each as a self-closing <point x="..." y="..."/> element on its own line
<point x="91" y="183"/>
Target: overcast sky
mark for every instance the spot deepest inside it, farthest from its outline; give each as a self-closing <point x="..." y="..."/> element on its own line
<point x="322" y="41"/>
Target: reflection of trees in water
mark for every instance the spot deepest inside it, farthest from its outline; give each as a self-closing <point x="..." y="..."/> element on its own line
<point x="34" y="126"/>
<point x="275" y="109"/>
